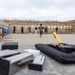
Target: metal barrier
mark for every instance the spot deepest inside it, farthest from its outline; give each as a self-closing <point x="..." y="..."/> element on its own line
<point x="8" y="53"/>
<point x="10" y="65"/>
<point x="37" y="64"/>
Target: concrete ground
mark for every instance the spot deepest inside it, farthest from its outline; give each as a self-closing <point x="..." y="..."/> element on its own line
<point x="50" y="67"/>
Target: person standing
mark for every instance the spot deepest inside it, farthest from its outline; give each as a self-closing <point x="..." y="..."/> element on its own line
<point x="56" y="29"/>
<point x="2" y="32"/>
<point x="41" y="30"/>
<point x="22" y="29"/>
<point x="46" y="30"/>
<point x="14" y="29"/>
<point x="29" y="28"/>
<point x="36" y="30"/>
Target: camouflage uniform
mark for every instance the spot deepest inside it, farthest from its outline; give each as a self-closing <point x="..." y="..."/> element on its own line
<point x="41" y="30"/>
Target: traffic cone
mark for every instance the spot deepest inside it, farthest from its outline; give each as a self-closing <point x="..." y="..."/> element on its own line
<point x="4" y="34"/>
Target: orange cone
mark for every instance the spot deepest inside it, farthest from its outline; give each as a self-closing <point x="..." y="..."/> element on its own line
<point x="4" y="34"/>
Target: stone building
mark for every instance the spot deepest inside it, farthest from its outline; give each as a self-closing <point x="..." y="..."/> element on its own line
<point x="63" y="27"/>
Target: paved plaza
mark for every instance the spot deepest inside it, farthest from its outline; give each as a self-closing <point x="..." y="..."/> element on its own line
<point x="51" y="67"/>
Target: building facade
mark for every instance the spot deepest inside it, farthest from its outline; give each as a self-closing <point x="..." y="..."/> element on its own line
<point x="51" y="26"/>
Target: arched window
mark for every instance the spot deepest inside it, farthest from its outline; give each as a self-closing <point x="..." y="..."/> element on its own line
<point x="48" y="26"/>
<point x="70" y="27"/>
<point x="25" y="26"/>
<point x="67" y="27"/>
<point x="32" y="26"/>
<point x="60" y="27"/>
<point x="51" y="27"/>
<point x="64" y="27"/>
<point x="54" y="26"/>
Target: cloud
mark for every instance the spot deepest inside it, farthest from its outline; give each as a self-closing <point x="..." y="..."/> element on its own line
<point x="37" y="9"/>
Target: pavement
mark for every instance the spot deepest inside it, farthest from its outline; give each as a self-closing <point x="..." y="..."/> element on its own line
<point x="50" y="67"/>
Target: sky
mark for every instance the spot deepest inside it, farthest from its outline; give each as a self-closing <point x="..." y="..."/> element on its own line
<point x="60" y="10"/>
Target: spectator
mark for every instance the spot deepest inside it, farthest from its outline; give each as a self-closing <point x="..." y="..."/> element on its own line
<point x="29" y="28"/>
<point x="14" y="29"/>
<point x="46" y="29"/>
<point x="22" y="29"/>
<point x="36" y="30"/>
<point x="56" y="29"/>
<point x="2" y="32"/>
